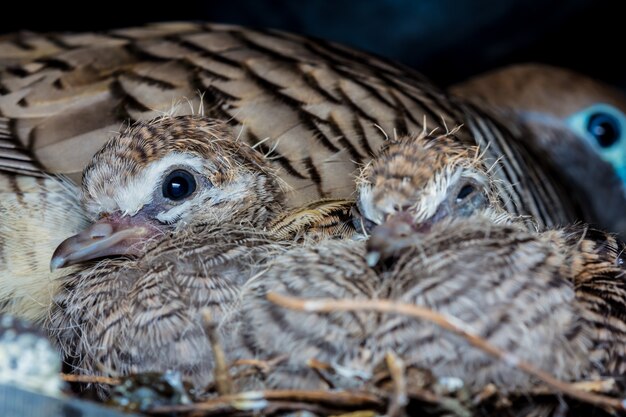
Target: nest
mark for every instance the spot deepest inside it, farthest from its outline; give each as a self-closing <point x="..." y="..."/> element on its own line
<point x="393" y="390"/>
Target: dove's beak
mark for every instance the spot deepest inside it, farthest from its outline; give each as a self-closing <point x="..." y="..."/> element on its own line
<point x="398" y="232"/>
<point x="389" y="237"/>
<point x="111" y="236"/>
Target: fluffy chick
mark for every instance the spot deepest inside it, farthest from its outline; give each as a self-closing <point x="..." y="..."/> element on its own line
<point x="551" y="298"/>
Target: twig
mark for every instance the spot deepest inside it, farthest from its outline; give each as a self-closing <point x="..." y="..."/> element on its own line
<point x="258" y="401"/>
<point x="223" y="382"/>
<point x="91" y="379"/>
<point x="319" y="368"/>
<point x="399" y="399"/>
<point x="411" y="310"/>
<point x="359" y="413"/>
<point x="601" y="385"/>
<point x="263" y="366"/>
<point x="487" y="392"/>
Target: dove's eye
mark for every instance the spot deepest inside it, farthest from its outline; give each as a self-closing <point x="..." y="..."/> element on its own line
<point x="178" y="184"/>
<point x="605" y="128"/>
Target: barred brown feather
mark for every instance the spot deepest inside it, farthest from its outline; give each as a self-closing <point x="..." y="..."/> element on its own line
<point x="553" y="299"/>
<point x="121" y="317"/>
<point x="318" y="109"/>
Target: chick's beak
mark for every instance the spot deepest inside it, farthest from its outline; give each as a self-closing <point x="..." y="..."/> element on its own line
<point x="389" y="237"/>
<point x="398" y="232"/>
<point x="110" y="236"/>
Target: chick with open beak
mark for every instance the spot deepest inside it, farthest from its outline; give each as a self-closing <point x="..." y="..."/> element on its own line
<point x="418" y="181"/>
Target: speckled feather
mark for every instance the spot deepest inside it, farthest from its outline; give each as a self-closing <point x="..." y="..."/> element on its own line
<point x="318" y="109"/>
<point x="122" y="316"/>
<point x="553" y="299"/>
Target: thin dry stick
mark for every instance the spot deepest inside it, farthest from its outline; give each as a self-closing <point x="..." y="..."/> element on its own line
<point x="319" y="368"/>
<point x="91" y="379"/>
<point x="260" y="400"/>
<point x="263" y="366"/>
<point x="255" y="366"/>
<point x="411" y="310"/>
<point x="223" y="382"/>
<point x="397" y="371"/>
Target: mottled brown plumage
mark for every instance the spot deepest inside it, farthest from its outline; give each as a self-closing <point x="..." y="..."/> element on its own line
<point x="319" y="110"/>
<point x="554" y="299"/>
<point x="189" y="252"/>
<point x="123" y="317"/>
<point x="328" y="218"/>
<point x="36" y="215"/>
<point x="422" y="180"/>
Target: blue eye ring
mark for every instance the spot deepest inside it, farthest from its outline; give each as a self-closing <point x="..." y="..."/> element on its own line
<point x="605" y="129"/>
<point x="178" y="185"/>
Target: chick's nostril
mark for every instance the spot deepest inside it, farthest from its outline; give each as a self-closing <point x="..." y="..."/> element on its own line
<point x="100" y="231"/>
<point x="401" y="230"/>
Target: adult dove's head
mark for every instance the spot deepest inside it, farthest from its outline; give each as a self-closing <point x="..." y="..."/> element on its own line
<point x="574" y="122"/>
<point x="164" y="175"/>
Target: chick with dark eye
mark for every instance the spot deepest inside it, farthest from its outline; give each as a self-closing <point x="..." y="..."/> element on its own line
<point x="469" y="198"/>
<point x="463" y="199"/>
<point x="178" y="185"/>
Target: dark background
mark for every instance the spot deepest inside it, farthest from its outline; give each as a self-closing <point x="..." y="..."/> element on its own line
<point x="448" y="40"/>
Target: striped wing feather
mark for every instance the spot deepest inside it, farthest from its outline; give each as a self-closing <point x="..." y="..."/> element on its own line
<point x="317" y="109"/>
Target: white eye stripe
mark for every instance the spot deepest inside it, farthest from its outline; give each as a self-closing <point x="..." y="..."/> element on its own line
<point x="129" y="196"/>
<point x="139" y="192"/>
<point x="427" y="199"/>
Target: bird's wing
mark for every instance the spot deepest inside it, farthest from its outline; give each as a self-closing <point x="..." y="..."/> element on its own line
<point x="319" y="219"/>
<point x="596" y="267"/>
<point x="317" y="109"/>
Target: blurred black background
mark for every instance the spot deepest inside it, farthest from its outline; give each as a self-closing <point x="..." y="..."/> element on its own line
<point x="448" y="40"/>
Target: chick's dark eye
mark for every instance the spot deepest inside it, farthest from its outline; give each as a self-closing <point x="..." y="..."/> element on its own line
<point x="464" y="192"/>
<point x="605" y="128"/>
<point x="178" y="184"/>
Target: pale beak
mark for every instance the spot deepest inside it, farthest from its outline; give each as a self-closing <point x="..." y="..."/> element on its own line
<point x="111" y="236"/>
<point x="398" y="232"/>
<point x="389" y="237"/>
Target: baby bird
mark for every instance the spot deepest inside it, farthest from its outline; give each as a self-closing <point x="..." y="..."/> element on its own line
<point x="527" y="293"/>
<point x="162" y="176"/>
<point x="419" y="181"/>
<point x="180" y="206"/>
<point x="552" y="298"/>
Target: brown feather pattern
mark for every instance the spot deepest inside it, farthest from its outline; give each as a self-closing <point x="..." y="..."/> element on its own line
<point x="319" y="110"/>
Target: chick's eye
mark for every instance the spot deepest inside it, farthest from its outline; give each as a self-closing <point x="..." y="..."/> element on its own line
<point x="605" y="128"/>
<point x="178" y="184"/>
<point x="465" y="191"/>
